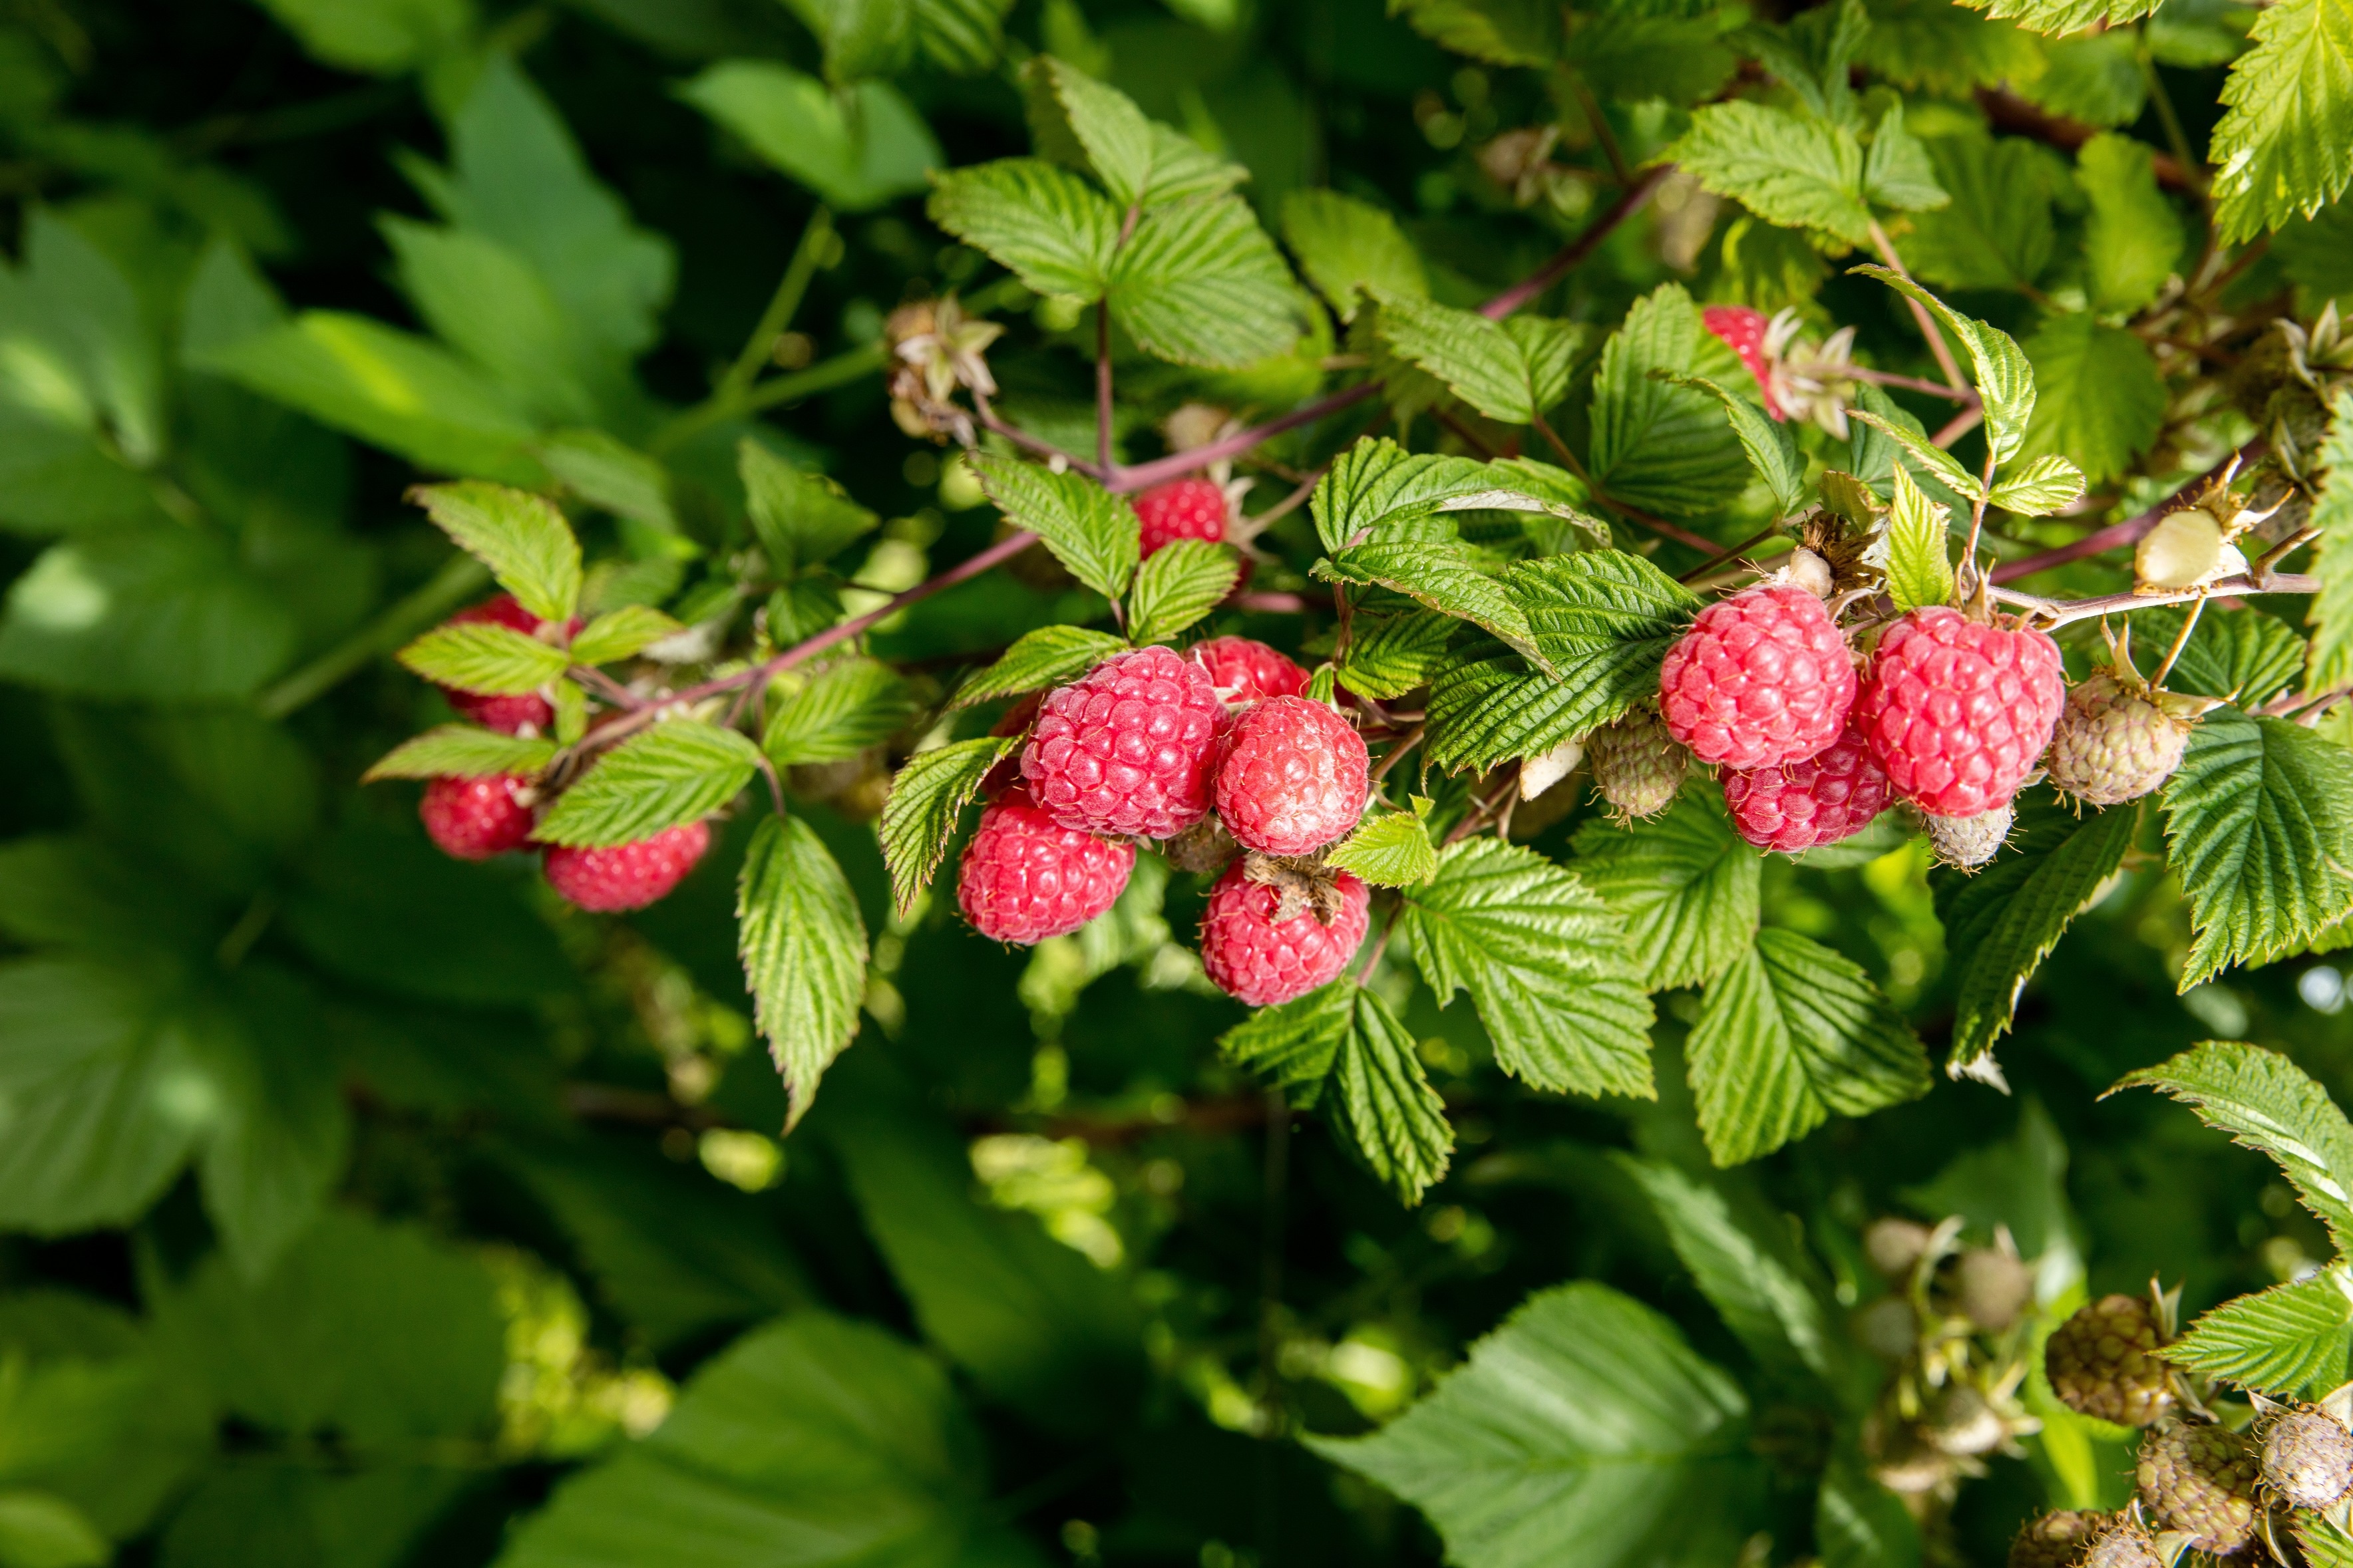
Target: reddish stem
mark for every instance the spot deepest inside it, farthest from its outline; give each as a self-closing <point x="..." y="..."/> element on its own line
<point x="2117" y="533"/>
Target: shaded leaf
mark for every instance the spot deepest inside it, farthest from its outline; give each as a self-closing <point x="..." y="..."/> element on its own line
<point x="1684" y="883"/>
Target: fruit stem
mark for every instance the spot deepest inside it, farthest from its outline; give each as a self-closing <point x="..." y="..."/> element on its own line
<point x="1406" y="742"/>
<point x="1381" y="942"/>
<point x="2053" y="614"/>
<point x="2182" y="638"/>
<point x="1926" y="323"/>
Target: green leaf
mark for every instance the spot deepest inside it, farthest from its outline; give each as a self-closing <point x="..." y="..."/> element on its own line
<point x="2005" y="381"/>
<point x="1294" y="1044"/>
<point x="919" y="815"/>
<point x="2243" y="657"/>
<point x="2001" y="923"/>
<point x="2257" y="819"/>
<point x="157" y="613"/>
<point x="2105" y="396"/>
<point x="1180" y="584"/>
<point x="38" y="1530"/>
<point x="1797" y="172"/>
<point x="1915" y="444"/>
<point x="2037" y="487"/>
<point x="802" y="519"/>
<point x="680" y="771"/>
<point x="1585" y="1417"/>
<point x="858" y="149"/>
<point x="607" y="474"/>
<point x="1052" y="229"/>
<point x="1938" y="45"/>
<point x="1349" y="249"/>
<point x="1389" y="850"/>
<point x="1656" y="445"/>
<point x="520" y="537"/>
<point x="1771" y="446"/>
<point x="1684" y="883"/>
<point x="1500" y="32"/>
<point x="1997" y="231"/>
<point x="1389" y="655"/>
<point x="2325" y="1545"/>
<point x="621" y="634"/>
<point x="1789" y="1034"/>
<point x="2286" y="144"/>
<point x="860" y="37"/>
<point x="2331" y="615"/>
<point x="1377" y="485"/>
<point x="1199" y="283"/>
<point x="2056" y="16"/>
<point x="1545" y="962"/>
<point x="2267" y="1103"/>
<point x="1051" y="655"/>
<point x="487" y="300"/>
<point x="1896" y="169"/>
<point x="282" y="1132"/>
<point x="1427" y="561"/>
<point x="1090" y="531"/>
<point x="846" y="708"/>
<point x="1141" y="163"/>
<point x="80" y="353"/>
<point x="1479" y="361"/>
<point x="2133" y="238"/>
<point x="2279" y="1342"/>
<point x="1919" y="567"/>
<point x="1394" y="1119"/>
<point x="804" y="951"/>
<point x="483" y="656"/>
<point x="1860" y="1523"/>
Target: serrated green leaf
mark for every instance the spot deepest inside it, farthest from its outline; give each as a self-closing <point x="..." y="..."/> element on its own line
<point x="803" y="944"/>
<point x="2267" y="1103"/>
<point x="1377" y="485"/>
<point x="1917" y="447"/>
<point x="2005" y="380"/>
<point x="1199" y="283"/>
<point x="848" y="707"/>
<point x="1391" y="849"/>
<point x="621" y="634"/>
<point x="1427" y="561"/>
<point x="1140" y="163"/>
<point x="801" y="518"/>
<point x="1389" y="655"/>
<point x="2057" y="16"/>
<point x="1795" y="172"/>
<point x="465" y="751"/>
<point x="1380" y="1098"/>
<point x="2257" y="822"/>
<point x="1478" y="361"/>
<point x="1586" y="1419"/>
<point x="2243" y="657"/>
<point x="1349" y="249"/>
<point x="856" y="147"/>
<point x="2133" y="238"/>
<point x="2037" y="487"/>
<point x="679" y="771"/>
<point x="1919" y="567"/>
<point x="1295" y="1044"/>
<point x="485" y="658"/>
<point x="1546" y="963"/>
<point x="2105" y="397"/>
<point x="2281" y="1341"/>
<point x="1771" y="446"/>
<point x="1090" y="531"/>
<point x="2325" y="1545"/>
<point x="1178" y="585"/>
<point x="2331" y="614"/>
<point x="1656" y="445"/>
<point x="2001" y="923"/>
<point x="2098" y="79"/>
<point x="1789" y="1033"/>
<point x="1896" y="170"/>
<point x="1055" y="231"/>
<point x="1550" y="349"/>
<point x="1997" y="231"/>
<point x="1500" y="32"/>
<point x="1051" y="655"/>
<point x="1939" y="47"/>
<point x="520" y="537"/>
<point x="1685" y="885"/>
<point x="919" y="815"/>
<point x="2286" y="144"/>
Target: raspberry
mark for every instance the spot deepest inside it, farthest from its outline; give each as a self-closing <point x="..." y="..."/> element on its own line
<point x="2123" y="1543"/>
<point x="1761" y="678"/>
<point x="1244" y="671"/>
<point x="1743" y="331"/>
<point x="1831" y="795"/>
<point x="1181" y="508"/>
<point x="2114" y="742"/>
<point x="1253" y="952"/>
<point x="1993" y="1287"/>
<point x="2103" y="1362"/>
<point x="1024" y="878"/>
<point x="1291" y="776"/>
<point x="476" y="818"/>
<point x="1127" y="748"/>
<point x="2200" y="1481"/>
<point x="2056" y="1540"/>
<point x="1638" y="767"/>
<point x="511" y="715"/>
<point x="1957" y="712"/>
<point x="627" y="876"/>
<point x="2308" y="1459"/>
<point x="1966" y="843"/>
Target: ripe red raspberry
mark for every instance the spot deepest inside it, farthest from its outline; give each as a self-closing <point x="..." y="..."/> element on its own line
<point x="511" y="715"/>
<point x="1959" y="713"/>
<point x="1743" y="331"/>
<point x="1181" y="508"/>
<point x="474" y="819"/>
<point x="627" y="876"/>
<point x="1831" y="795"/>
<point x="1761" y="678"/>
<point x="1255" y="957"/>
<point x="1127" y="748"/>
<point x="1025" y="879"/>
<point x="1291" y="776"/>
<point x="1247" y="671"/>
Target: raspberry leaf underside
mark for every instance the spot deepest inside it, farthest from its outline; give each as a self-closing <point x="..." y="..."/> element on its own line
<point x="462" y="750"/>
<point x="803" y="944"/>
<point x="926" y="796"/>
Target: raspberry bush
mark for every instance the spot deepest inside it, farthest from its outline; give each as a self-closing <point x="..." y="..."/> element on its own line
<point x="1125" y="783"/>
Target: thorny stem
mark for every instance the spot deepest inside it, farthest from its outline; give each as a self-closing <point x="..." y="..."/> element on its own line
<point x="1103" y="375"/>
<point x="1970" y="577"/>
<point x="1381" y="942"/>
<point x="1907" y="383"/>
<point x="1028" y="443"/>
<point x="1572" y="254"/>
<point x="1960" y="425"/>
<point x="1603" y="135"/>
<point x="2053" y="614"/>
<point x="1927" y="323"/>
<point x="2124" y="532"/>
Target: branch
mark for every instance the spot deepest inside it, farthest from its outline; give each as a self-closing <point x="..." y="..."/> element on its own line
<point x="1570" y="255"/>
<point x="2124" y="532"/>
<point x="2013" y="113"/>
<point x="1926" y="322"/>
<point x="2052" y="614"/>
<point x="1028" y="443"/>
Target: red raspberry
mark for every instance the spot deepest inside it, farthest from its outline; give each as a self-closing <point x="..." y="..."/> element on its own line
<point x="1246" y="671"/>
<point x="513" y="714"/>
<point x="1291" y="776"/>
<point x="1125" y="749"/>
<point x="474" y="819"/>
<point x="1254" y="957"/>
<point x="1181" y="508"/>
<point x="1831" y="795"/>
<point x="1761" y="678"/>
<point x="1743" y="331"/>
<point x="627" y="876"/>
<point x="1959" y="713"/>
<point x="1024" y="878"/>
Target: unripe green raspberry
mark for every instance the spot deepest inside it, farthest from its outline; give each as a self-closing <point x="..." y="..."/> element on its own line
<point x="2115" y="742"/>
<point x="2056" y="1540"/>
<point x="2308" y="1459"/>
<point x="2200" y="1481"/>
<point x="2122" y="1544"/>
<point x="1965" y="843"/>
<point x="1637" y="765"/>
<point x="2103" y="1362"/>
